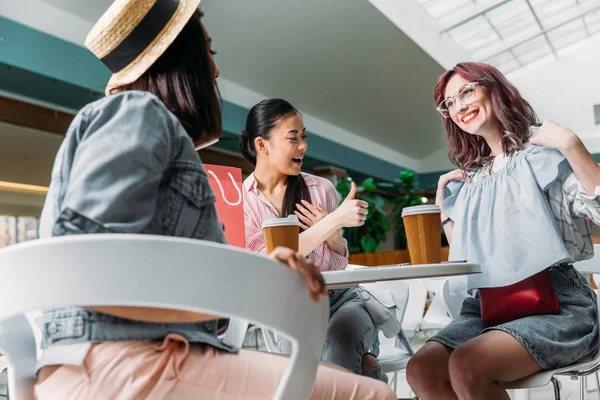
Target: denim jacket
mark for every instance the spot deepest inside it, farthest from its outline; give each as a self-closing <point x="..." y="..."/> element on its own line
<point x="127" y="166"/>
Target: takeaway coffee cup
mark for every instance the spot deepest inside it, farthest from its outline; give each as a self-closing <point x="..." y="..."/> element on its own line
<point x="284" y="232"/>
<point x="423" y="233"/>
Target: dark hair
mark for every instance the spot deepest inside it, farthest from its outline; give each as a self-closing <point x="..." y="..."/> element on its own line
<point x="183" y="78"/>
<point x="261" y="120"/>
<point x="469" y="152"/>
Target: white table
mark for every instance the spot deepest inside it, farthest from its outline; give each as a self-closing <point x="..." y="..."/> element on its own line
<point x="352" y="278"/>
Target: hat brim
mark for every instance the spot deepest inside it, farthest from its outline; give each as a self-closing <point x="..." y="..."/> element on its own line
<point x="154" y="50"/>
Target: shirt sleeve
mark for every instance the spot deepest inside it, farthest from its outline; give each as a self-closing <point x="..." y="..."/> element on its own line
<point x="331" y="261"/>
<point x="122" y="151"/>
<point x="255" y="240"/>
<point x="583" y="204"/>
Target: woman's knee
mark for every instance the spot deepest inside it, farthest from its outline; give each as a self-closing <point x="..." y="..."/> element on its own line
<point x="428" y="367"/>
<point x="465" y="370"/>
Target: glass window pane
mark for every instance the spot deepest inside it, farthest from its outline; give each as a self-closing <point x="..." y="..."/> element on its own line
<point x="567" y="34"/>
<point x="474" y="35"/>
<point x="505" y="62"/>
<point x="17" y="229"/>
<point x="514" y="21"/>
<point x="592" y="20"/>
<point x="554" y="12"/>
<point x="532" y="50"/>
<point x="511" y="32"/>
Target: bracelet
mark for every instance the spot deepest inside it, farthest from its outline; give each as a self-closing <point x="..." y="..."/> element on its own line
<point x="446" y="221"/>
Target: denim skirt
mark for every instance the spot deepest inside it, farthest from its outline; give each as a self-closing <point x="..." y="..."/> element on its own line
<point x="554" y="340"/>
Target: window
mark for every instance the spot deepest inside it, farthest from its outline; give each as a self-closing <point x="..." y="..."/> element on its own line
<point x="512" y="33"/>
<point x="17" y="229"/>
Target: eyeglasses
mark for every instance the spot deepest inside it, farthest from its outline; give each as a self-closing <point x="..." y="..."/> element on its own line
<point x="466" y="94"/>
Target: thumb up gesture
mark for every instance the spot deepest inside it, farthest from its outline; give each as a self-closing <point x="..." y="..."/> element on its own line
<point x="351" y="212"/>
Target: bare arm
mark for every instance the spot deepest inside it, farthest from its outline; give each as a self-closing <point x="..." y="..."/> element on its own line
<point x="456" y="175"/>
<point x="311" y="238"/>
<point x="586" y="169"/>
<point x="584" y="165"/>
<point x="326" y="227"/>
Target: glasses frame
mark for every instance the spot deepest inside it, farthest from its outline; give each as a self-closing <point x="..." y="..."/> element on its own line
<point x="454" y="97"/>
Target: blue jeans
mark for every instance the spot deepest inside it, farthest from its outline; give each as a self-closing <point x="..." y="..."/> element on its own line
<point x="351" y="333"/>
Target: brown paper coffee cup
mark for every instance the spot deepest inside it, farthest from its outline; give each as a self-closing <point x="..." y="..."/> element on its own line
<point x="281" y="232"/>
<point x="423" y="233"/>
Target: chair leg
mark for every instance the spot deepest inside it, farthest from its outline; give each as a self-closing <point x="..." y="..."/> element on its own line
<point x="395" y="385"/>
<point x="597" y="383"/>
<point x="582" y="388"/>
<point x="556" y="385"/>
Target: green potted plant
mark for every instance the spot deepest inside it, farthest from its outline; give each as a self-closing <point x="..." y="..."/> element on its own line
<point x="407" y="197"/>
<point x="368" y="237"/>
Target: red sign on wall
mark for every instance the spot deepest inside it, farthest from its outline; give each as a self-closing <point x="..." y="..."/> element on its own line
<point x="226" y="182"/>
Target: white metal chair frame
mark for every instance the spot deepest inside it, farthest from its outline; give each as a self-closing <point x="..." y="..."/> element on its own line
<point x="156" y="271"/>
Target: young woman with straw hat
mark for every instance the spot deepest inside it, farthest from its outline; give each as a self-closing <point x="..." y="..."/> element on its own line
<point x="128" y="165"/>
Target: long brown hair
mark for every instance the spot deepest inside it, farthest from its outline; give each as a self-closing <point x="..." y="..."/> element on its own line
<point x="183" y="78"/>
<point x="471" y="152"/>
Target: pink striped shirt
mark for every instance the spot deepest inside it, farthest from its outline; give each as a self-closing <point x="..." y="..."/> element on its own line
<point x="258" y="208"/>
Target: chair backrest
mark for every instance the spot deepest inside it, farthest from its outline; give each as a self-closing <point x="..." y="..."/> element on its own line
<point x="157" y="271"/>
<point x="453" y="303"/>
<point x="592" y="265"/>
<point x="416" y="305"/>
<point x="437" y="313"/>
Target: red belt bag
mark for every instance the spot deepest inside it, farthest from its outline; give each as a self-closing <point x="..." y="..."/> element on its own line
<point x="531" y="296"/>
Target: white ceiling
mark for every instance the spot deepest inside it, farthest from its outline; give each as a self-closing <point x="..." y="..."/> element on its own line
<point x="361" y="71"/>
<point x="357" y="78"/>
<point x="339" y="60"/>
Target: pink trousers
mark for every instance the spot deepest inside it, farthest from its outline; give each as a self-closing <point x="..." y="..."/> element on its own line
<point x="176" y="370"/>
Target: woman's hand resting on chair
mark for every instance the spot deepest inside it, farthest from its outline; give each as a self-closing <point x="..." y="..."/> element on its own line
<point x="311" y="273"/>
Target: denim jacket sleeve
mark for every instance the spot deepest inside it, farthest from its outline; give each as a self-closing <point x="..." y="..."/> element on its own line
<point x="122" y="151"/>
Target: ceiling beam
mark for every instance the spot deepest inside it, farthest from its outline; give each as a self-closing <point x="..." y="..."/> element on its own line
<point x="19" y="113"/>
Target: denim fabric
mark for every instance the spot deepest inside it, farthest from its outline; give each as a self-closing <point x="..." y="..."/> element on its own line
<point x="128" y="166"/>
<point x="554" y="341"/>
<point x="351" y="333"/>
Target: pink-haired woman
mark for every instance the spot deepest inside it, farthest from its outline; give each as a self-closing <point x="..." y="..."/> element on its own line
<point x="520" y="205"/>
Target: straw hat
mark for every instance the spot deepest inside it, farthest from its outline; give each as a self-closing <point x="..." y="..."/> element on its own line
<point x="133" y="34"/>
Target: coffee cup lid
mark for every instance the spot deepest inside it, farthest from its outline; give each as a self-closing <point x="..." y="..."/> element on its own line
<point x="291" y="220"/>
<point x="424" y="209"/>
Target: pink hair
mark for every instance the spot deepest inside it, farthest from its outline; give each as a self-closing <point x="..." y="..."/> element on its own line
<point x="470" y="152"/>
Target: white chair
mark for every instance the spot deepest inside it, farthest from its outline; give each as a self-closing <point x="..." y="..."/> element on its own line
<point x="436" y="317"/>
<point x="453" y="303"/>
<point x="413" y="317"/>
<point x="391" y="358"/>
<point x="156" y="271"/>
